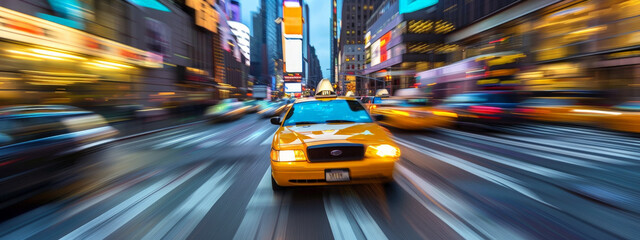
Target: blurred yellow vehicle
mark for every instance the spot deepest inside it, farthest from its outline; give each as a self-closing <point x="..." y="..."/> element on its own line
<point x="329" y="140"/>
<point x="624" y="117"/>
<point x="412" y="113"/>
<point x="571" y="110"/>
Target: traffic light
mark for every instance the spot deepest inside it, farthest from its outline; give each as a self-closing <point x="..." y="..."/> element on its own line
<point x="387" y="78"/>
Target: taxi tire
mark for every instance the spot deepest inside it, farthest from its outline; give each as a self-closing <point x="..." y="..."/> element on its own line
<point x="275" y="187"/>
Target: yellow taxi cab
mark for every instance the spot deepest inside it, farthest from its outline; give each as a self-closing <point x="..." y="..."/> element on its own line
<point x="330" y="140"/>
<point x="624" y="117"/>
<point x="572" y="110"/>
<point x="411" y="112"/>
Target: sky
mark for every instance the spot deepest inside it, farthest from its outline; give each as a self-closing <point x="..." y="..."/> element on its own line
<point x="320" y="11"/>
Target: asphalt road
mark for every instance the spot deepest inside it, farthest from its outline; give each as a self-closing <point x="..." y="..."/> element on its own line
<point x="212" y="182"/>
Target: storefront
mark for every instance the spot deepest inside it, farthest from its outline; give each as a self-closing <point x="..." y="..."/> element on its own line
<point x="42" y="62"/>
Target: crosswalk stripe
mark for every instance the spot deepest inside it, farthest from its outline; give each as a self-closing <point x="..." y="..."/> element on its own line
<point x="338" y="220"/>
<point x="445" y="216"/>
<point x="532" y="168"/>
<point x="367" y="224"/>
<point x="577" y="147"/>
<point x="256" y="134"/>
<point x="460" y="134"/>
<point x="116" y="217"/>
<point x="154" y="137"/>
<point x="177" y="140"/>
<point x="182" y="220"/>
<point x="261" y="198"/>
<point x="475" y="169"/>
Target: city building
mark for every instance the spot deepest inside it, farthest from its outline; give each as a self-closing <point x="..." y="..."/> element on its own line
<point x="305" y="43"/>
<point x="234" y="11"/>
<point x="315" y="71"/>
<point x="258" y="51"/>
<point x="236" y="70"/>
<point x="334" y="41"/>
<point x="351" y="49"/>
<point x="266" y="44"/>
<point x="243" y="36"/>
<point x="404" y="38"/>
<point x="112" y="53"/>
<point x="543" y="45"/>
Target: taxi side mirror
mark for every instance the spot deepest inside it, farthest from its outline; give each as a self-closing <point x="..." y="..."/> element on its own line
<point x="275" y="120"/>
<point x="378" y="117"/>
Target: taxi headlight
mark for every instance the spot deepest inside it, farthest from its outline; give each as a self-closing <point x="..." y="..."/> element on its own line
<point x="384" y="150"/>
<point x="287" y="155"/>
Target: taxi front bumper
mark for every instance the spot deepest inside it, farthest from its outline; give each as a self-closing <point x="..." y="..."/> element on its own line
<point x="313" y="174"/>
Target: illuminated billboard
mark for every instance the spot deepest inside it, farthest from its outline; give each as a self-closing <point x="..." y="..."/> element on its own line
<point x="293" y="87"/>
<point x="407" y="6"/>
<point x="292" y="17"/>
<point x="379" y="51"/>
<point x="293" y="55"/>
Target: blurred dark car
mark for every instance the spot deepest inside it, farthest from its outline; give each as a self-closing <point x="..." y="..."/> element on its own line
<point x="36" y="141"/>
<point x="227" y="109"/>
<point x="483" y="107"/>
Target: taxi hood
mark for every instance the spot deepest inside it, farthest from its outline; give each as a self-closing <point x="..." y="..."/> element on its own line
<point x="316" y="134"/>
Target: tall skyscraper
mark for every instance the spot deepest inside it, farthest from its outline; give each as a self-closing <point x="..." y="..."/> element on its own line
<point x="351" y="46"/>
<point x="334" y="40"/>
<point x="269" y="10"/>
<point x="305" y="42"/>
<point x="233" y="11"/>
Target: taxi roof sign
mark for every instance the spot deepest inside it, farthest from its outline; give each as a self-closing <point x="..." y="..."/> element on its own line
<point x="325" y="89"/>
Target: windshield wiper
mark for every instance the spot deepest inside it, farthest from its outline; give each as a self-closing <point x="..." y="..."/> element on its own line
<point x="300" y="123"/>
<point x="339" y="121"/>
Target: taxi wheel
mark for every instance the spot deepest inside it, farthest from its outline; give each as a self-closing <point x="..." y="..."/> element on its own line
<point x="275" y="187"/>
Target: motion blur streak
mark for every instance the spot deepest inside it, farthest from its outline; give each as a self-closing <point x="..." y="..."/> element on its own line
<point x="448" y="184"/>
<point x="319" y="119"/>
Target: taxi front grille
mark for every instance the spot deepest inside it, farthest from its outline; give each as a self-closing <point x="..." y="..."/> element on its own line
<point x="335" y="152"/>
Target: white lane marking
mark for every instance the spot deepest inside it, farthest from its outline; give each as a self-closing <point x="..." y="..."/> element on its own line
<point x="268" y="140"/>
<point x="457" y="134"/>
<point x="367" y="224"/>
<point x="338" y="220"/>
<point x="580" y="147"/>
<point x="445" y="216"/>
<point x="45" y="222"/>
<point x="475" y="169"/>
<point x="193" y="209"/>
<point x="177" y="140"/>
<point x="607" y="142"/>
<point x="589" y="133"/>
<point x="252" y="136"/>
<point x="528" y="167"/>
<point x="262" y="198"/>
<point x="121" y="214"/>
<point x="155" y="137"/>
<point x="210" y="143"/>
<point x="205" y="137"/>
<point x="522" y="148"/>
<point x="280" y="228"/>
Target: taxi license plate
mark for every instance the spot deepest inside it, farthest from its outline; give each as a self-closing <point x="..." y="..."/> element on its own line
<point x="336" y="175"/>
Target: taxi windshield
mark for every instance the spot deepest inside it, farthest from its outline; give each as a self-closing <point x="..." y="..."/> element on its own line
<point x="334" y="111"/>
